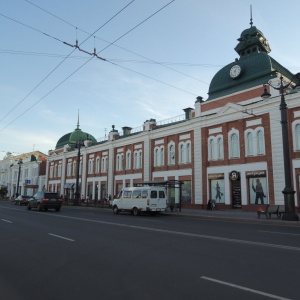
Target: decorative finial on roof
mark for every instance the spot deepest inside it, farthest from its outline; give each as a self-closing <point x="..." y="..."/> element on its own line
<point x="78" y="120"/>
<point x="251" y="23"/>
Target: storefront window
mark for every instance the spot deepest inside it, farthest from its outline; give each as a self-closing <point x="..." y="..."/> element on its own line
<point x="186" y="192"/>
<point x="257" y="185"/>
<point x="217" y="190"/>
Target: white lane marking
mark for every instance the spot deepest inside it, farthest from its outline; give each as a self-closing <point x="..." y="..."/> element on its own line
<point x="61" y="237"/>
<point x="276" y="232"/>
<point x="244" y="288"/>
<point x="150" y="220"/>
<point x="195" y="235"/>
<point x="6" y="221"/>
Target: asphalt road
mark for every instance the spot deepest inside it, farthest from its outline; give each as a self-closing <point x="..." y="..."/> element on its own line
<point x="82" y="253"/>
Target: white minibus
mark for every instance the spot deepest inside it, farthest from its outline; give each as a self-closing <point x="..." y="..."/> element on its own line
<point x="152" y="199"/>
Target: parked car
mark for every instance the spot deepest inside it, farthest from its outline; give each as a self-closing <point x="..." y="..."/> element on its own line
<point x="45" y="200"/>
<point x="22" y="200"/>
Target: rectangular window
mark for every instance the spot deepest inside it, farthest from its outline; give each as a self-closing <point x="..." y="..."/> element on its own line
<point x="136" y="194"/>
<point x="144" y="193"/>
<point x="161" y="194"/>
<point x="153" y="194"/>
<point x="127" y="194"/>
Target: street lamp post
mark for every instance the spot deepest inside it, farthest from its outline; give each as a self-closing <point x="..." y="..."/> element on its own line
<point x="20" y="162"/>
<point x="288" y="191"/>
<point x="78" y="145"/>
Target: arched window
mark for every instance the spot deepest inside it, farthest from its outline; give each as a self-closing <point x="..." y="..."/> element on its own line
<point x="156" y="157"/>
<point x="181" y="154"/>
<point x="74" y="168"/>
<point x="128" y="160"/>
<point x="260" y="142"/>
<point x="162" y="154"/>
<point x="220" y="148"/>
<point x="98" y="165"/>
<point x="140" y="163"/>
<point x="69" y="167"/>
<point x="104" y="165"/>
<point x="297" y="136"/>
<point x="91" y="166"/>
<point x="59" y="171"/>
<point x="55" y="171"/>
<point x="118" y="162"/>
<point x="135" y="162"/>
<point x="249" y="141"/>
<point x="234" y="145"/>
<point x="51" y="172"/>
<point x="211" y="150"/>
<point x="188" y="152"/>
<point x="171" y="154"/>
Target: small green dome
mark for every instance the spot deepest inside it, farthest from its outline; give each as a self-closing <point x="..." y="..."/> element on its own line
<point x="79" y="136"/>
<point x="73" y="137"/>
<point x="64" y="140"/>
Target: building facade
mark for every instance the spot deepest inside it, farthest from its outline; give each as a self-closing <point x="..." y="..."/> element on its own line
<point x="24" y="174"/>
<point x="227" y="148"/>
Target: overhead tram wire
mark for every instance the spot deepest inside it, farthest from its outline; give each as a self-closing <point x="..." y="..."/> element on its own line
<point x="61" y="61"/>
<point x="113" y="43"/>
<point x="95" y="55"/>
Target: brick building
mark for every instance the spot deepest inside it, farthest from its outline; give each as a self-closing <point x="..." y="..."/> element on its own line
<point x="227" y="148"/>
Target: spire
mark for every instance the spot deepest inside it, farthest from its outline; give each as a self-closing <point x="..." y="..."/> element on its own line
<point x="78" y="120"/>
<point x="251" y="23"/>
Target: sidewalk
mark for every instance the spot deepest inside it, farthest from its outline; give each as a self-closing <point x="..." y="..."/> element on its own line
<point x="230" y="215"/>
<point x="237" y="215"/>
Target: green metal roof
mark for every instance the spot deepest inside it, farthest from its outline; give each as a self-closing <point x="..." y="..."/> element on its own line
<point x="257" y="67"/>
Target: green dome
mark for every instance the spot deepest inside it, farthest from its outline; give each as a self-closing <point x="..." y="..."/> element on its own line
<point x="255" y="65"/>
<point x="73" y="137"/>
<point x="78" y="135"/>
<point x="255" y="70"/>
<point x="64" y="140"/>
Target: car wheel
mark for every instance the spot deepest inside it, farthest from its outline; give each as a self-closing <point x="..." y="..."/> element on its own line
<point x="28" y="207"/>
<point x="57" y="208"/>
<point x="39" y="208"/>
<point x="136" y="212"/>
<point x="115" y="209"/>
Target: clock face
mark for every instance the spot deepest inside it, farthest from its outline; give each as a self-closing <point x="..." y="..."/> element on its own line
<point x="235" y="71"/>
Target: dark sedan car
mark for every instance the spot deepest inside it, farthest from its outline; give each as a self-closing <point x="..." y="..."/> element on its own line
<point x="22" y="200"/>
<point x="45" y="200"/>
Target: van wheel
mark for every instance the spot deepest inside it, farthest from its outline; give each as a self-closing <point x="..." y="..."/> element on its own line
<point x="115" y="210"/>
<point x="136" y="212"/>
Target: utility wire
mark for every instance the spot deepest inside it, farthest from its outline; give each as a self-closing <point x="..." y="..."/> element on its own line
<point x="61" y="61"/>
<point x="32" y="28"/>
<point x="30" y="53"/>
<point x="93" y="55"/>
<point x="110" y="43"/>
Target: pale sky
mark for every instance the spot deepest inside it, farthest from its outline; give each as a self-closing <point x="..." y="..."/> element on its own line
<point x="153" y="70"/>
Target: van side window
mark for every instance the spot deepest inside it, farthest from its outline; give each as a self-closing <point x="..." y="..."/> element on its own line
<point x="144" y="193"/>
<point x="127" y="194"/>
<point x="153" y="194"/>
<point x="136" y="194"/>
<point x="161" y="194"/>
